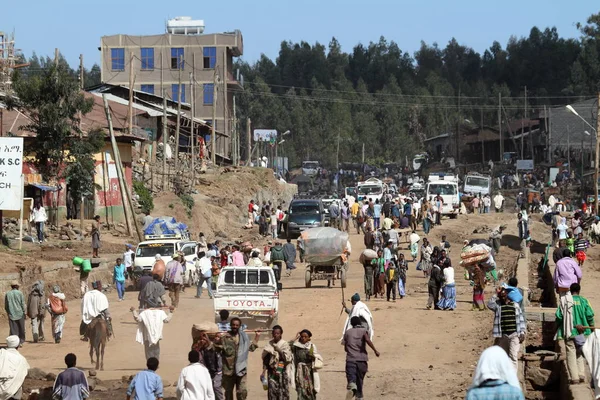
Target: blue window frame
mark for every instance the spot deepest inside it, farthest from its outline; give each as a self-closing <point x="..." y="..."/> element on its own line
<point x="208" y="89"/>
<point x="147" y="57"/>
<point x="210" y="57"/>
<point x="148" y="89"/>
<point x="117" y="59"/>
<point x="177" y="60"/>
<point x="175" y="92"/>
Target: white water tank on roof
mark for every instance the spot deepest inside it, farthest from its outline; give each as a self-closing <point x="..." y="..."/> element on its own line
<point x="185" y="26"/>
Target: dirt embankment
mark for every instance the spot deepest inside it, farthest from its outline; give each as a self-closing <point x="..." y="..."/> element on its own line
<point x="220" y="206"/>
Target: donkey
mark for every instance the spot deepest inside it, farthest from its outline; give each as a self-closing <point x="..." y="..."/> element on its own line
<point x="98" y="334"/>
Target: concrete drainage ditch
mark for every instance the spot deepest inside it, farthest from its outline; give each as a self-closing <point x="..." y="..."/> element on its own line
<point x="542" y="369"/>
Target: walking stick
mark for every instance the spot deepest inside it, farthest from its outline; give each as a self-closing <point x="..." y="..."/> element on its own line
<point x="343" y="297"/>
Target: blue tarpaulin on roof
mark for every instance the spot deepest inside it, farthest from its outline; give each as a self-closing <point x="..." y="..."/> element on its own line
<point x="165" y="226"/>
<point x="45" y="188"/>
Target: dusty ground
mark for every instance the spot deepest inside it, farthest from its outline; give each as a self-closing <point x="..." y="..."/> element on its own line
<point x="425" y="354"/>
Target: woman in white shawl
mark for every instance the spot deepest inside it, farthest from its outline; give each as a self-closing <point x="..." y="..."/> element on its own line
<point x="277" y="366"/>
<point x="13" y="370"/>
<point x="495" y="375"/>
<point x="307" y="360"/>
<point x="57" y="306"/>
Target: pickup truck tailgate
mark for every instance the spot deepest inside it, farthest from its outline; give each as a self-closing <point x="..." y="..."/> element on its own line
<point x="255" y="310"/>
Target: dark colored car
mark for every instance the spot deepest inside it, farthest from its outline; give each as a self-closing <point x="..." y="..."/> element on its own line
<point x="304" y="214"/>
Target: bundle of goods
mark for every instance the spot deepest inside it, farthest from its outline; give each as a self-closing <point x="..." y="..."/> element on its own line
<point x="478" y="253"/>
<point x="367" y="255"/>
<point x="209" y="328"/>
<point x="323" y="245"/>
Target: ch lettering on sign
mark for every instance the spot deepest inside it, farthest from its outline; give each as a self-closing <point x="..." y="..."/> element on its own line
<point x="11" y="171"/>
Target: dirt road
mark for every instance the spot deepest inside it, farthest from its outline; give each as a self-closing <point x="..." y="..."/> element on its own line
<point x="424" y="354"/>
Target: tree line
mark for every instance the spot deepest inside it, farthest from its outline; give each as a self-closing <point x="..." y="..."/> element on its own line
<point x="391" y="100"/>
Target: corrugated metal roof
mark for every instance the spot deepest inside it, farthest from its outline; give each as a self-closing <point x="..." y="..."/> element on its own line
<point x="111" y="97"/>
<point x="568" y="127"/>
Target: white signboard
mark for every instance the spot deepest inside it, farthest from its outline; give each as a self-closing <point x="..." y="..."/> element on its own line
<point x="264" y="135"/>
<point x="11" y="170"/>
<point x="525" y="165"/>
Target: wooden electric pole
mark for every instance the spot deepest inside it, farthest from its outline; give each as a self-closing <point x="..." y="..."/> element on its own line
<point x="192" y="139"/>
<point x="248" y="142"/>
<point x="178" y="123"/>
<point x="164" y="134"/>
<point x="226" y="129"/>
<point x="500" y="126"/>
<point x="115" y="149"/>
<point x="131" y="94"/>
<point x="597" y="154"/>
<point x="81" y="203"/>
<point x="213" y="136"/>
<point x="236" y="139"/>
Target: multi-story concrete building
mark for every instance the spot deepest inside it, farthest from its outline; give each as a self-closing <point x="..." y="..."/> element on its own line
<point x="160" y="60"/>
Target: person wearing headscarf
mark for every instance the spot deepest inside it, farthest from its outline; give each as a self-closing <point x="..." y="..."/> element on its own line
<point x="478" y="279"/>
<point x="360" y="310"/>
<point x="57" y="306"/>
<point x="13" y="370"/>
<point x="277" y="366"/>
<point x="495" y="377"/>
<point x="307" y="362"/>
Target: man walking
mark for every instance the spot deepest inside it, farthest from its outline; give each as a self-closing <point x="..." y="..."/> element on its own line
<point x="509" y="324"/>
<point x="499" y="202"/>
<point x="204" y="272"/>
<point x="234" y="347"/>
<point x="566" y="273"/>
<point x="71" y="384"/>
<point x="289" y="250"/>
<point x="211" y="359"/>
<point x="150" y="326"/>
<point x="13" y="370"/>
<point x="523" y="233"/>
<point x="14" y="304"/>
<point x="575" y="321"/>
<point x="146" y="384"/>
<point x="194" y="381"/>
<point x="152" y="295"/>
<point x="334" y="214"/>
<point x="355" y="343"/>
<point x="345" y="214"/>
<point x="174" y="279"/>
<point x="36" y="310"/>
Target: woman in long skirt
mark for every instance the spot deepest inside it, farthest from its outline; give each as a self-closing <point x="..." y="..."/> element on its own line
<point x="57" y="306"/>
<point x="478" y="277"/>
<point x="426" y="253"/>
<point x="306" y="362"/>
<point x="448" y="300"/>
<point x="402" y="268"/>
<point x="379" y="274"/>
<point x="277" y="358"/>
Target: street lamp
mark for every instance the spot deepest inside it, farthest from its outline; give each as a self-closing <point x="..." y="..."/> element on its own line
<point x="276" y="163"/>
<point x="573" y="111"/>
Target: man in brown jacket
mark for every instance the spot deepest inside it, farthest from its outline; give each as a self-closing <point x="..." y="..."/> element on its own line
<point x="36" y="309"/>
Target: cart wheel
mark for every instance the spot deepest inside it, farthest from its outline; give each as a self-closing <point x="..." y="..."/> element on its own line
<point x="307" y="278"/>
<point x="343" y="278"/>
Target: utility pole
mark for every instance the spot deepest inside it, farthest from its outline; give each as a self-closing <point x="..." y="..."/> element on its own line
<point x="213" y="136"/>
<point x="363" y="153"/>
<point x="115" y="149"/>
<point x="569" y="148"/>
<point x="248" y="142"/>
<point x="522" y="133"/>
<point x="131" y="94"/>
<point x="597" y="155"/>
<point x="81" y="86"/>
<point x="164" y="134"/>
<point x="178" y="124"/>
<point x="225" y="101"/>
<point x="549" y="129"/>
<point x="500" y="126"/>
<point x="56" y="57"/>
<point x="236" y="139"/>
<point x="481" y="136"/>
<point x="458" y="129"/>
<point x="192" y="139"/>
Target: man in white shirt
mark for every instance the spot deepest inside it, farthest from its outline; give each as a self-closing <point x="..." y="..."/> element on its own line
<point x="128" y="258"/>
<point x="204" y="272"/>
<point x="487" y="202"/>
<point x="194" y="381"/>
<point x="499" y="202"/>
<point x="150" y="326"/>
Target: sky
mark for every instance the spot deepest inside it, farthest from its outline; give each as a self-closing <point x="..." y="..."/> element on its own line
<point x="75" y="28"/>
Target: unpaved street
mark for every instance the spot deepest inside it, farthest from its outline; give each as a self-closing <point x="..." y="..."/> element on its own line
<point x="425" y="354"/>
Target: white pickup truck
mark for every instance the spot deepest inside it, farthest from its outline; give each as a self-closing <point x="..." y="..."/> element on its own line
<point x="249" y="293"/>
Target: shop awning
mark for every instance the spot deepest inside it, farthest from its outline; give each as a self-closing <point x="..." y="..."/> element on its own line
<point x="44" y="188"/>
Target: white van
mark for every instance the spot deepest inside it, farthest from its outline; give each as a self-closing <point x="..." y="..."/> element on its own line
<point x="146" y="251"/>
<point x="445" y="185"/>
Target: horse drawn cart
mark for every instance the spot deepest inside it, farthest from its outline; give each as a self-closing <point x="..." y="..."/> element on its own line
<point x="326" y="253"/>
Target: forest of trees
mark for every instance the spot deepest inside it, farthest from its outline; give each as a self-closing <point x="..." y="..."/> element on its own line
<point x="390" y="100"/>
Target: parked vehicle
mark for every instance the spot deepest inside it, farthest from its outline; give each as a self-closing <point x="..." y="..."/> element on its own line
<point x="476" y="183"/>
<point x="310" y="168"/>
<point x="249" y="293"/>
<point x="304" y="214"/>
<point x="147" y="250"/>
<point x="445" y="185"/>
<point x="372" y="189"/>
